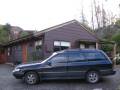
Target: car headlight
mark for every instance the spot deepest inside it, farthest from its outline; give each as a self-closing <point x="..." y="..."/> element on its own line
<point x="16" y="70"/>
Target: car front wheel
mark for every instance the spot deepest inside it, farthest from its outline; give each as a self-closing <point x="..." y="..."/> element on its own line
<point x="31" y="78"/>
<point x="92" y="77"/>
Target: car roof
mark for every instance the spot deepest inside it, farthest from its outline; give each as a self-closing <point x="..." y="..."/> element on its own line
<point x="80" y="50"/>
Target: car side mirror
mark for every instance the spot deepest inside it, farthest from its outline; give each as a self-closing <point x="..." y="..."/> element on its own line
<point x="49" y="63"/>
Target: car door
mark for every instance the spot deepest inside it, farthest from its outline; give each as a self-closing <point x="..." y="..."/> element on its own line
<point x="77" y="64"/>
<point x="57" y="67"/>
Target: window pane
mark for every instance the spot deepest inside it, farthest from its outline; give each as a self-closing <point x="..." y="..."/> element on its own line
<point x="60" y="58"/>
<point x="40" y="42"/>
<point x="94" y="55"/>
<point x="76" y="56"/>
<point x="56" y="43"/>
<point x="38" y="45"/>
<point x="61" y="45"/>
<point x="67" y="44"/>
<point x="92" y="46"/>
<point x="82" y="46"/>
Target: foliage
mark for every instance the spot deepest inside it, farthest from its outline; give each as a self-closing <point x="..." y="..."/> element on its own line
<point x="117" y="23"/>
<point x="7" y="27"/>
<point x="24" y="33"/>
<point x="116" y="38"/>
<point x="110" y="33"/>
<point x="4" y="36"/>
<point x="107" y="47"/>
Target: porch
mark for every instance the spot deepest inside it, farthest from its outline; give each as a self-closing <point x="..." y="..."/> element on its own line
<point x="86" y="45"/>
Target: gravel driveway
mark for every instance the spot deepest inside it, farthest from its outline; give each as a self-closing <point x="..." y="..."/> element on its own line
<point x="8" y="82"/>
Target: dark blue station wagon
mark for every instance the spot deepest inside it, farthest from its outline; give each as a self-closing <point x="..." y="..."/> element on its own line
<point x="90" y="64"/>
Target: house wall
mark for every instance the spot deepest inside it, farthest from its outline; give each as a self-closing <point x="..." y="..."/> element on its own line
<point x="2" y="57"/>
<point x="72" y="33"/>
<point x="23" y="52"/>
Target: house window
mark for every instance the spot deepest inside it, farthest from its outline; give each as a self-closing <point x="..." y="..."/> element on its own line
<point x="9" y="51"/>
<point x="61" y="45"/>
<point x="82" y="46"/>
<point x="92" y="46"/>
<point x="31" y="44"/>
<point x="38" y="45"/>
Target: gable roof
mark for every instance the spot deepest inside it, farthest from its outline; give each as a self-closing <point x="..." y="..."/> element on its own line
<point x="42" y="32"/>
<point x="55" y="27"/>
<point x="65" y="24"/>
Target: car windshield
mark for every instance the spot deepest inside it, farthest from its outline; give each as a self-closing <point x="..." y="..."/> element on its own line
<point x="49" y="57"/>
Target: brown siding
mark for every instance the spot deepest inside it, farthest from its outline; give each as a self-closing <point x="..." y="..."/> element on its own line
<point x="2" y="57"/>
<point x="71" y="32"/>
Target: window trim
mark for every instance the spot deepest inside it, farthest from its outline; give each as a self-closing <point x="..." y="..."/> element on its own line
<point x="37" y="44"/>
<point x="60" y="44"/>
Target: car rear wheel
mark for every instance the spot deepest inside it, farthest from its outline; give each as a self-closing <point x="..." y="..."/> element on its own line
<point x="92" y="77"/>
<point x="31" y="78"/>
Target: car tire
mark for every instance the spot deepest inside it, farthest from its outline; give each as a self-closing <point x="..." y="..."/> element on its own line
<point x="31" y="78"/>
<point x="92" y="77"/>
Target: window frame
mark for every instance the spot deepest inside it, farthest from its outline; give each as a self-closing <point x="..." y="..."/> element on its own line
<point x="38" y="44"/>
<point x="60" y="47"/>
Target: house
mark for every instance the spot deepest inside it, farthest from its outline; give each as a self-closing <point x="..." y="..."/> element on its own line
<point x="42" y="44"/>
<point x="2" y="54"/>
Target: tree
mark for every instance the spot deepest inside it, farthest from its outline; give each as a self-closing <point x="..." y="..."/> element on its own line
<point x="116" y="38"/>
<point x="92" y="16"/>
<point x="4" y="37"/>
<point x="97" y="13"/>
<point x="83" y="18"/>
<point x="104" y="22"/>
<point x="100" y="16"/>
<point x="24" y="33"/>
<point x="7" y="28"/>
<point x="117" y="23"/>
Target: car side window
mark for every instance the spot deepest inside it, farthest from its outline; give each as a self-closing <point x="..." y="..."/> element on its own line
<point x="59" y="59"/>
<point x="76" y="57"/>
<point x="94" y="56"/>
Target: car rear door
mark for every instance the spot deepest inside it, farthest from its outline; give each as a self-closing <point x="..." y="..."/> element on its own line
<point x="96" y="60"/>
<point x="77" y="64"/>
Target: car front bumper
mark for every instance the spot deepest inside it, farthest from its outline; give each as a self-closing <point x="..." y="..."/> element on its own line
<point x="18" y="74"/>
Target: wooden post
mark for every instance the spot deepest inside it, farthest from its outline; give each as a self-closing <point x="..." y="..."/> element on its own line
<point x="114" y="53"/>
<point x="97" y="45"/>
<point x="24" y="53"/>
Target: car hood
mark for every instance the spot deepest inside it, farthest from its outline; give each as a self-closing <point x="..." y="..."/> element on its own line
<point x="28" y="65"/>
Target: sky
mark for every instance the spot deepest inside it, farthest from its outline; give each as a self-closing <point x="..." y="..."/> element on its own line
<point x="41" y="14"/>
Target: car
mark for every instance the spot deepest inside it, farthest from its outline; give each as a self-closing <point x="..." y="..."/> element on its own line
<point x="89" y="64"/>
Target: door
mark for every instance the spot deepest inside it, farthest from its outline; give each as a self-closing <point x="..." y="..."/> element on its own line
<point x="77" y="64"/>
<point x="56" y="67"/>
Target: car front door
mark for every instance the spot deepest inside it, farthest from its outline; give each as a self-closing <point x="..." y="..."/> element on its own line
<point x="57" y="67"/>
